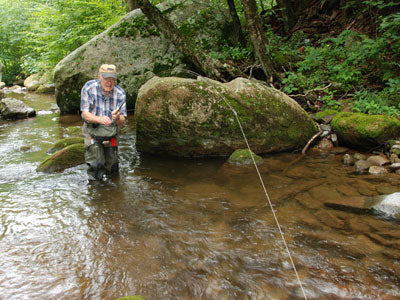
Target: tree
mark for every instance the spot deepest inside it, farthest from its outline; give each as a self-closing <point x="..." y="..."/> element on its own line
<point x="237" y="27"/>
<point x="257" y="38"/>
<point x="210" y="67"/>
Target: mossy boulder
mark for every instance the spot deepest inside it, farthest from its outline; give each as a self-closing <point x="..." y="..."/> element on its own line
<point x="64" y="143"/>
<point x="242" y="157"/>
<point x="362" y="131"/>
<point x="68" y="157"/>
<point x="188" y="117"/>
<point x="138" y="50"/>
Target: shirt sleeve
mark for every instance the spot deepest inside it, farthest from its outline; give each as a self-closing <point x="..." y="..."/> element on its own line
<point x="86" y="98"/>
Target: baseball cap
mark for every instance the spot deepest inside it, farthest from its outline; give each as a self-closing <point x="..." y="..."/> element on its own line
<point x="108" y="71"/>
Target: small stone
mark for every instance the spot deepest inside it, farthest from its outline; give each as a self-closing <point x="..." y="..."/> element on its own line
<point x="394" y="166"/>
<point x="334" y="139"/>
<point x="377" y="170"/>
<point x="394" y="158"/>
<point x="362" y="166"/>
<point x="359" y="156"/>
<point x="325" y="145"/>
<point x="348" y="160"/>
<point x="378" y="160"/>
<point x="326" y="127"/>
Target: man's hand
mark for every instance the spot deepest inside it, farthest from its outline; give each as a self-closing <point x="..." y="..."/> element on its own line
<point x="115" y="115"/>
<point x="104" y="120"/>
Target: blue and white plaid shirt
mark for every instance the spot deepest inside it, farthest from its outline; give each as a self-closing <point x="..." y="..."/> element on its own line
<point x="94" y="101"/>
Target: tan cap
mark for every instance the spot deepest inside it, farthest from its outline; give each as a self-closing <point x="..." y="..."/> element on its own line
<point x="107" y="71"/>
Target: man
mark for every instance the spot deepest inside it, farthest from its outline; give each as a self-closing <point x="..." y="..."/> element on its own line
<point x="103" y="110"/>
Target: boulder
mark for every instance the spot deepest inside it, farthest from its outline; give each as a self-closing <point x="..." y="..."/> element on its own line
<point x="378" y="160"/>
<point x="47" y="88"/>
<point x="2" y="84"/>
<point x="32" y="82"/>
<point x="65" y="143"/>
<point x="187" y="117"/>
<point x="12" y="109"/>
<point x="138" y="50"/>
<point x="357" y="130"/>
<point x="242" y="157"/>
<point x="68" y="157"/>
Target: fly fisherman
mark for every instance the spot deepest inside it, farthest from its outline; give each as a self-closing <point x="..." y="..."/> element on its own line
<point x="103" y="110"/>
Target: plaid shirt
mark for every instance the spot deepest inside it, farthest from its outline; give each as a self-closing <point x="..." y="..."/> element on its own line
<point x="94" y="101"/>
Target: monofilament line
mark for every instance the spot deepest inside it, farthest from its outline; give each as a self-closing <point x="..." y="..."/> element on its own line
<point x="269" y="200"/>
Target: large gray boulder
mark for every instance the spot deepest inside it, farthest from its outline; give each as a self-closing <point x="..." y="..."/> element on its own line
<point x="138" y="50"/>
<point x="11" y="109"/>
<point x="187" y="117"/>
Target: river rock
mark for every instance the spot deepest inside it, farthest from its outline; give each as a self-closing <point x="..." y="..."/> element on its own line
<point x="242" y="157"/>
<point x="359" y="156"/>
<point x="138" y="50"/>
<point x="2" y="84"/>
<point x="325" y="145"/>
<point x="32" y="82"/>
<point x="377" y="170"/>
<point x="394" y="166"/>
<point x="362" y="166"/>
<point x="68" y="157"/>
<point x="394" y="158"/>
<point x="348" y="160"/>
<point x="187" y="117"/>
<point x="47" y="88"/>
<point x="378" y="160"/>
<point x="65" y="143"/>
<point x="15" y="109"/>
<point x="357" y="130"/>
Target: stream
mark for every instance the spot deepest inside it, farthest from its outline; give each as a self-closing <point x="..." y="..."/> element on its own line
<point x="170" y="228"/>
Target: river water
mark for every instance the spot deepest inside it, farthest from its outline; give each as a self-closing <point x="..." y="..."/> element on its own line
<point x="186" y="228"/>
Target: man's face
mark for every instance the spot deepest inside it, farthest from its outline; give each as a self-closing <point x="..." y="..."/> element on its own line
<point x="107" y="84"/>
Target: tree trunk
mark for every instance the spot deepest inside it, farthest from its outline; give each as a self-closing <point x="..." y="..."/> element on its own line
<point x="132" y="5"/>
<point x="257" y="38"/>
<point x="287" y="11"/>
<point x="237" y="27"/>
<point x="210" y="67"/>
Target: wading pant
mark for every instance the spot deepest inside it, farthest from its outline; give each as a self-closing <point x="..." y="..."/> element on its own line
<point x="100" y="157"/>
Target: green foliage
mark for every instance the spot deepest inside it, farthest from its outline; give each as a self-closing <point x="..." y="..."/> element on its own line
<point x="36" y="34"/>
<point x="350" y="63"/>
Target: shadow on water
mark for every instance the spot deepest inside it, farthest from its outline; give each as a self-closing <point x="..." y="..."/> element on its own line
<point x="170" y="228"/>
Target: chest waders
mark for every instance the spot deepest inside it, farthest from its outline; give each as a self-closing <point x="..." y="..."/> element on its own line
<point x="101" y="149"/>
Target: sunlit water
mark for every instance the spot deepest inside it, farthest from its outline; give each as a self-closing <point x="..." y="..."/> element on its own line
<point x="186" y="229"/>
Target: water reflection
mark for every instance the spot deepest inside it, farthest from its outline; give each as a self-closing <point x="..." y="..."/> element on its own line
<point x="186" y="229"/>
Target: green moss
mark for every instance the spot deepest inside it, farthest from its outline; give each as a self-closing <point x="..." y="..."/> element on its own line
<point x="322" y="114"/>
<point x="242" y="157"/>
<point x="65" y="142"/>
<point x="365" y="130"/>
<point x="68" y="157"/>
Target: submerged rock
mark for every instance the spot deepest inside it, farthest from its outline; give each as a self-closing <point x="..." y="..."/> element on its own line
<point x="12" y="109"/>
<point x="242" y="157"/>
<point x="65" y="158"/>
<point x="187" y="117"/>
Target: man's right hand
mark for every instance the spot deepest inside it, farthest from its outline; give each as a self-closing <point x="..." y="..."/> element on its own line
<point x="104" y="120"/>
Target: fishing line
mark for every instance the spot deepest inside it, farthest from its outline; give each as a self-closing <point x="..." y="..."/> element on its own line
<point x="262" y="183"/>
<point x="268" y="198"/>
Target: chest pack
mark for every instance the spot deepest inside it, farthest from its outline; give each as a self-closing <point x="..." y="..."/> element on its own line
<point x="102" y="133"/>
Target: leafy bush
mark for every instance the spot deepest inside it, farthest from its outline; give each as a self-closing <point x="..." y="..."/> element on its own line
<point x="351" y="63"/>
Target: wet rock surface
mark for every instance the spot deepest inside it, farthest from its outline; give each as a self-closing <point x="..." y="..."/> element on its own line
<point x="12" y="109"/>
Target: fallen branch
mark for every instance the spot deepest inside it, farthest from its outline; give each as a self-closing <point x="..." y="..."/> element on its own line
<point x="313" y="90"/>
<point x="303" y="152"/>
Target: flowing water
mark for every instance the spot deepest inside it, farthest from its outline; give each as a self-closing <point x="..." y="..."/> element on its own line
<point x="186" y="228"/>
